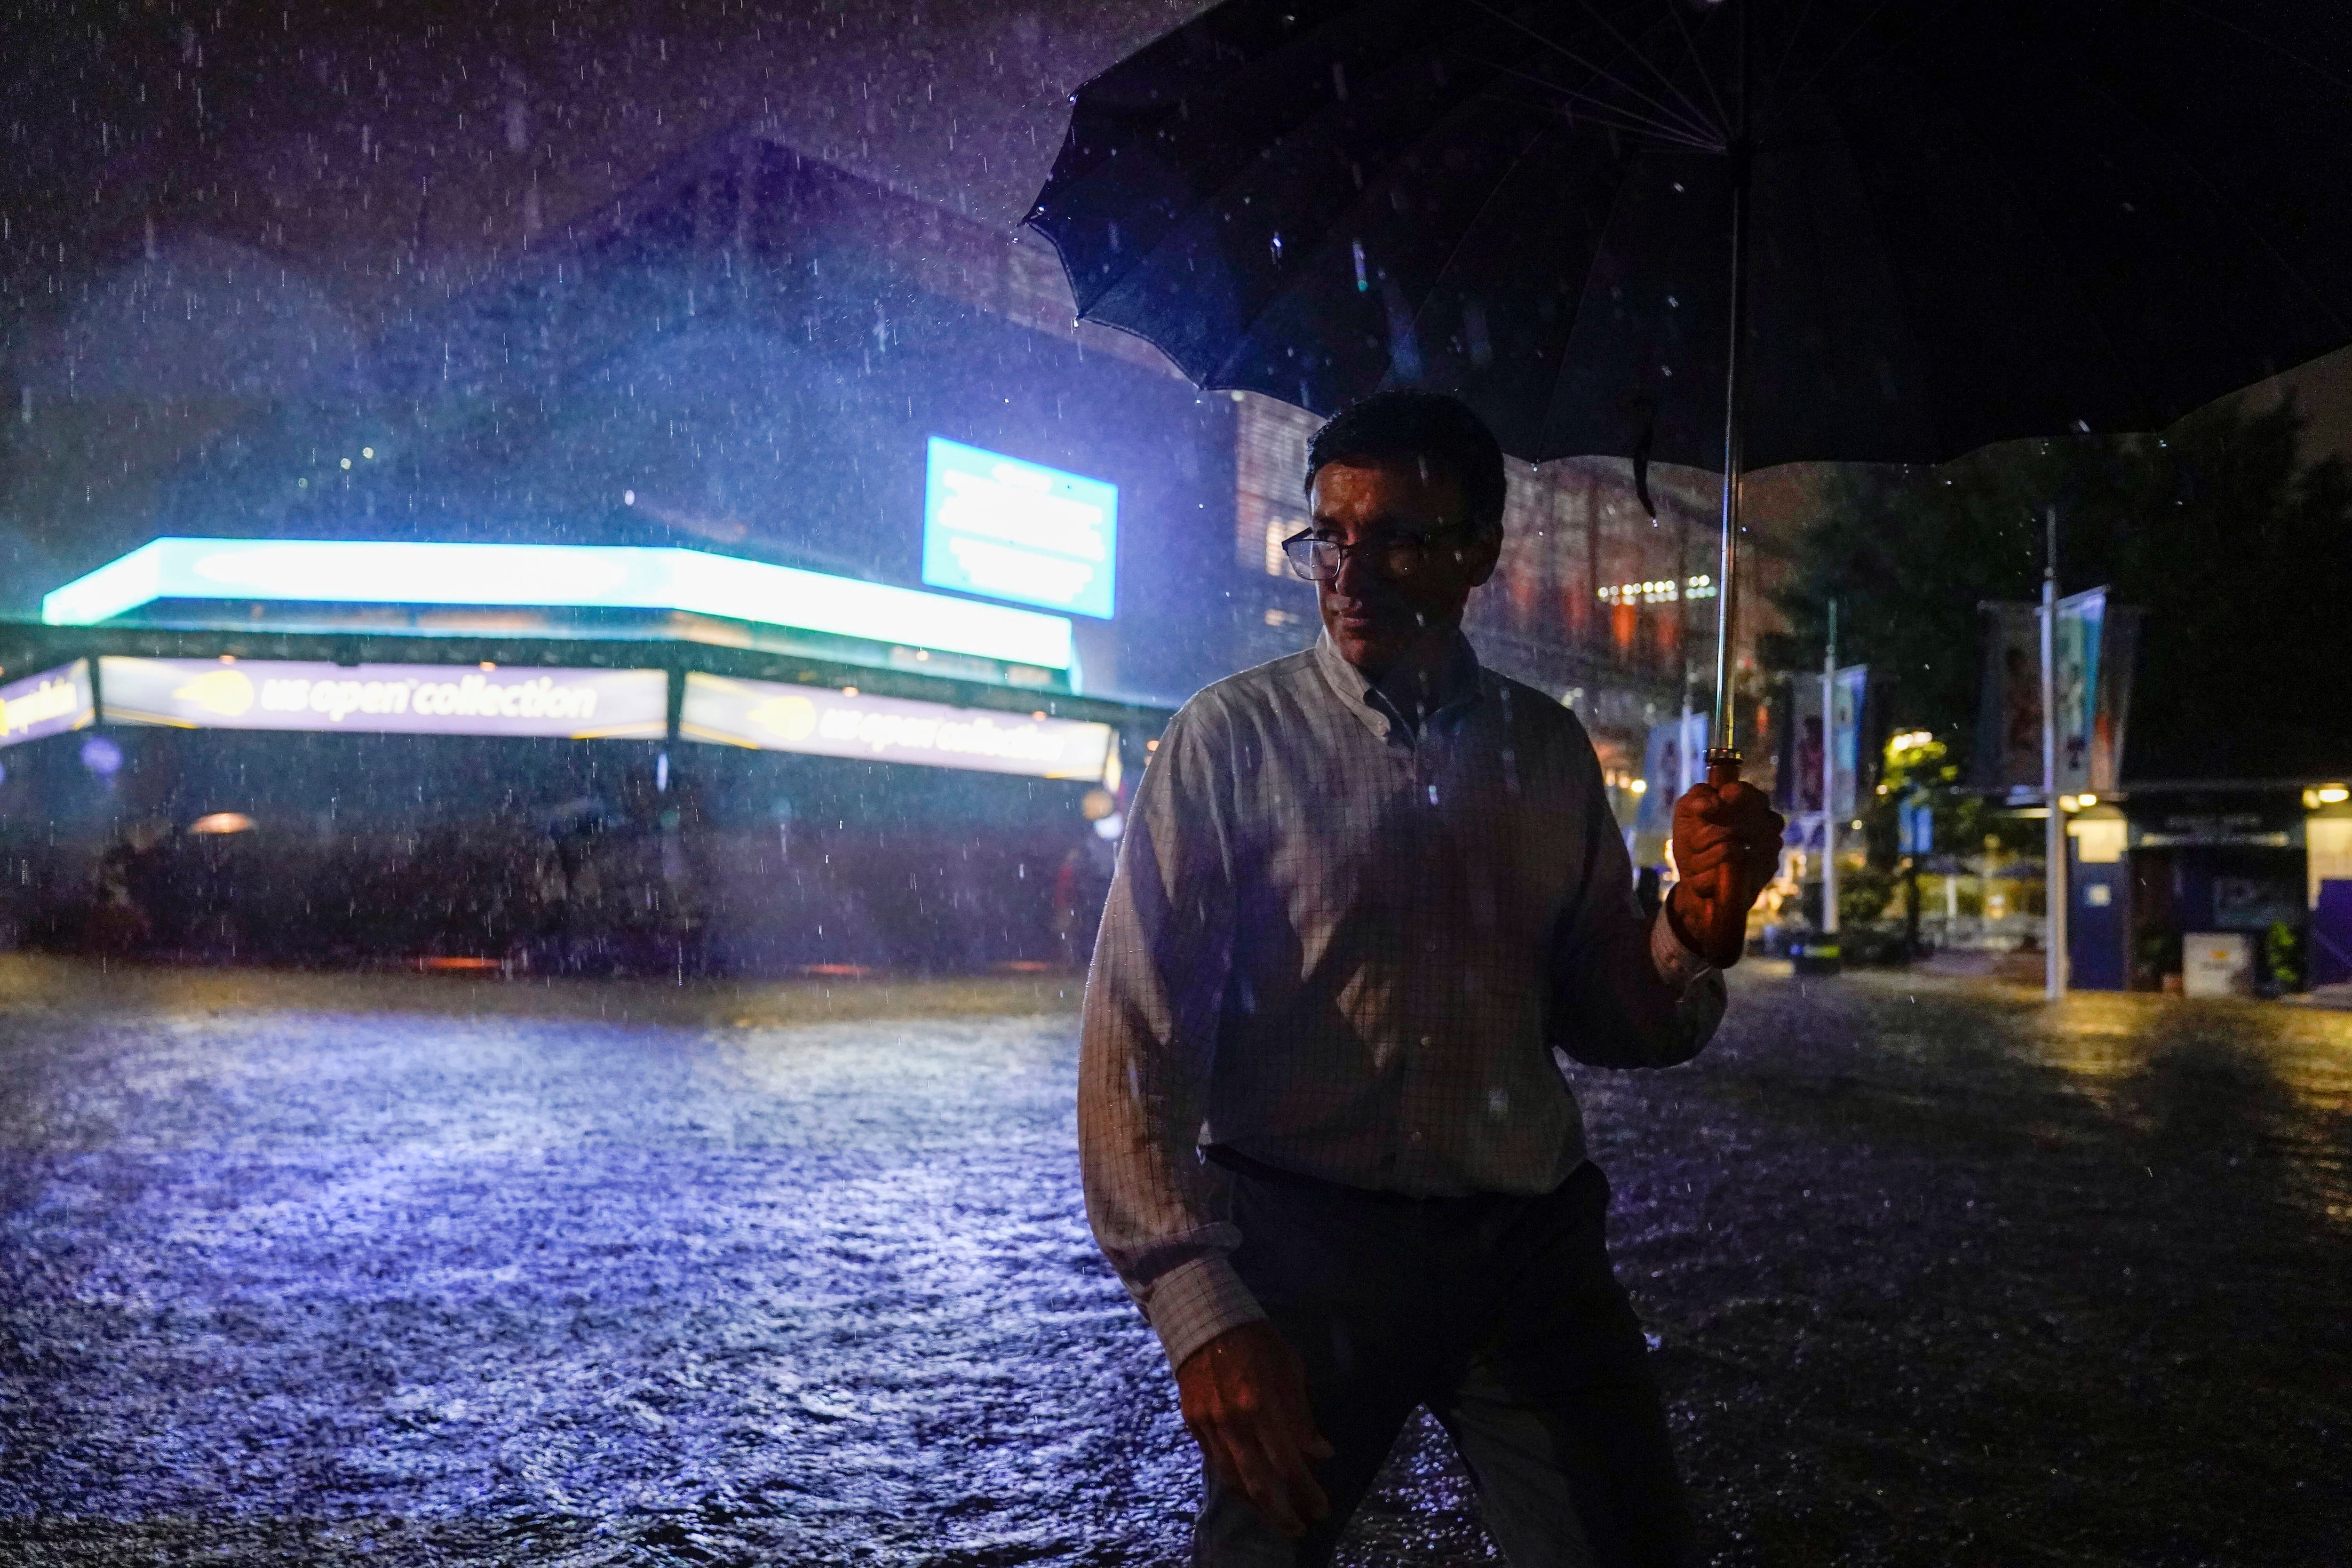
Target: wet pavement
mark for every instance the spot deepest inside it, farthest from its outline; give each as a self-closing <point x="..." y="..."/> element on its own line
<point x="436" y="1270"/>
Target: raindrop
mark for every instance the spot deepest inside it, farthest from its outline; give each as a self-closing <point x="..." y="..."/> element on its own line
<point x="1339" y="79"/>
<point x="628" y="498"/>
<point x="1362" y="282"/>
<point x="1474" y="325"/>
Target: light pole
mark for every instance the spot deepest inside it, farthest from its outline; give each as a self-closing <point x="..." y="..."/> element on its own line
<point x="1829" y="779"/>
<point x="2053" y="838"/>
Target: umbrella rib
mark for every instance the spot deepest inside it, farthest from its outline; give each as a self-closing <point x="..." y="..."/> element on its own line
<point x="1789" y="50"/>
<point x="1622" y="120"/>
<point x="2050" y="241"/>
<point x="1690" y="48"/>
<point x="2265" y="39"/>
<point x="1462" y="239"/>
<point x="2221" y="198"/>
<point x="1847" y="43"/>
<point x="1697" y="127"/>
<point x="1667" y="81"/>
<point x="1658" y="129"/>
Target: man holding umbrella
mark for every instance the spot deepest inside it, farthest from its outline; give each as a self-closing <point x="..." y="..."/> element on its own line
<point x="1368" y="892"/>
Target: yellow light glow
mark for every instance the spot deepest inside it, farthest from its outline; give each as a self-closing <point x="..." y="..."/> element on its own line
<point x="2334" y="794"/>
<point x="222" y="822"/>
<point x="2087" y="799"/>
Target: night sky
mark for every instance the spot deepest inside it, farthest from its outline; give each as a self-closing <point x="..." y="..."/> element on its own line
<point x="390" y="157"/>
<point x="388" y="151"/>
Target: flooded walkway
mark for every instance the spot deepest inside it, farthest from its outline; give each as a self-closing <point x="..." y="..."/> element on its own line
<point x="424" y="1271"/>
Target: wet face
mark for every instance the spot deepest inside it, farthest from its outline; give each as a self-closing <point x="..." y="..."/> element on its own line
<point x="1377" y="615"/>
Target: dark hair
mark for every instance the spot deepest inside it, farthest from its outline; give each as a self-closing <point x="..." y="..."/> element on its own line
<point x="1429" y="424"/>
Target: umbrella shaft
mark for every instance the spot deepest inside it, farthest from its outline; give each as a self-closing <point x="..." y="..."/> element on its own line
<point x="1723" y="754"/>
<point x="1723" y="746"/>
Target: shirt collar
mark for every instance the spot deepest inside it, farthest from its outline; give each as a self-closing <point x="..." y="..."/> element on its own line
<point x="1457" y="683"/>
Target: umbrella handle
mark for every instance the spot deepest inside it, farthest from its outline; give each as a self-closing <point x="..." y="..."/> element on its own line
<point x="1723" y="765"/>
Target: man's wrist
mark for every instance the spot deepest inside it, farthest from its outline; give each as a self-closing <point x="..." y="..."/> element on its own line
<point x="1194" y="1302"/>
<point x="1675" y="955"/>
<point x="1681" y="927"/>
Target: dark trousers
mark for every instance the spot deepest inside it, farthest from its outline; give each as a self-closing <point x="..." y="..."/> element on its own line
<point x="1503" y="1316"/>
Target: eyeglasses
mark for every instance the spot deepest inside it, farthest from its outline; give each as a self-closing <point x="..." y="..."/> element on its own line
<point x="1316" y="558"/>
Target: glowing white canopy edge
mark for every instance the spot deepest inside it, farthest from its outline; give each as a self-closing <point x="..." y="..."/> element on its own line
<point x="571" y="576"/>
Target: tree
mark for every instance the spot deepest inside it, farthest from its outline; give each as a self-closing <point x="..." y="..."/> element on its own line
<point x="2241" y="555"/>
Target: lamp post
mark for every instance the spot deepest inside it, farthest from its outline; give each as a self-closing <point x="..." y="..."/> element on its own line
<point x="1829" y="779"/>
<point x="2053" y="838"/>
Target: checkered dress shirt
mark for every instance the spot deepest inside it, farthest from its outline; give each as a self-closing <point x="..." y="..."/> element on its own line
<point x="1346" y="944"/>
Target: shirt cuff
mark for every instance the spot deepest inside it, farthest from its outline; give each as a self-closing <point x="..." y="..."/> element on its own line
<point x="1195" y="1301"/>
<point x="1678" y="965"/>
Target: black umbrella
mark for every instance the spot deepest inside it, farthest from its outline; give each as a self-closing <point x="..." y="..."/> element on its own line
<point x="1726" y="233"/>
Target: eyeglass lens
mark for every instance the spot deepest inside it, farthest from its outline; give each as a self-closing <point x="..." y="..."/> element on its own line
<point x="1318" y="559"/>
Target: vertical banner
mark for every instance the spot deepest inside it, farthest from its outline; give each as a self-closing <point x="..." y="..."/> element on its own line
<point x="1797" y="788"/>
<point x="1849" y="717"/>
<point x="1810" y="741"/>
<point x="1662" y="770"/>
<point x="2097" y="642"/>
<point x="2076" y="649"/>
<point x="2009" y="708"/>
<point x="2120" y="637"/>
<point x="1915" y="828"/>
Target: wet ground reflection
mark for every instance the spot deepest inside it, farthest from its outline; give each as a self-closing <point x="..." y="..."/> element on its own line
<point x="331" y="1269"/>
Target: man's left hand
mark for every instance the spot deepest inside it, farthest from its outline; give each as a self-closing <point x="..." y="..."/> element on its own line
<point x="1727" y="846"/>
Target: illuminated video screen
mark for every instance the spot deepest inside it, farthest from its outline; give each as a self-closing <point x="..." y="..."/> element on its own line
<point x="1004" y="529"/>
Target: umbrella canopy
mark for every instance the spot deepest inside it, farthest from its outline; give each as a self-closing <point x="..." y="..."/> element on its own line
<point x="1966" y="223"/>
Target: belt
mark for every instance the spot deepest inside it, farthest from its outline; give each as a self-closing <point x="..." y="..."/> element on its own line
<point x="1240" y="1165"/>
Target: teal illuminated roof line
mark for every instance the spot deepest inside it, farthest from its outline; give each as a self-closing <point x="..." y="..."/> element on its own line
<point x="566" y="576"/>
